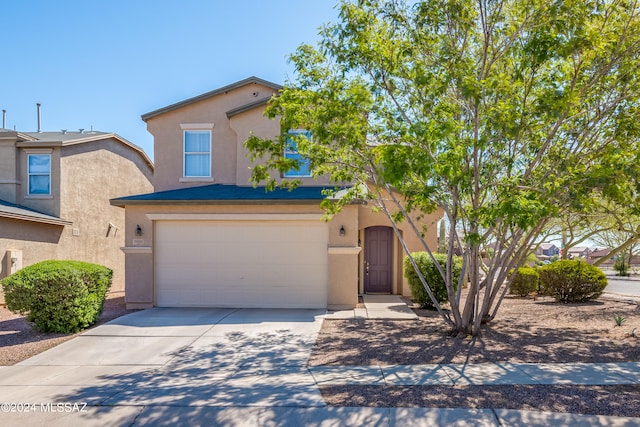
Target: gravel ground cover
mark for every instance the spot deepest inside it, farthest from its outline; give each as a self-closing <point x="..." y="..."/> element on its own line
<point x="19" y="340"/>
<point x="619" y="400"/>
<point x="524" y="330"/>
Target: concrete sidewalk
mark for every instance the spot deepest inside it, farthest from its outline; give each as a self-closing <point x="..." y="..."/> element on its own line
<point x="388" y="307"/>
<point x="480" y="374"/>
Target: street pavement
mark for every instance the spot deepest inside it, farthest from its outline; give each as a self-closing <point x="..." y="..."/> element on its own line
<point x="248" y="367"/>
<point x="623" y="286"/>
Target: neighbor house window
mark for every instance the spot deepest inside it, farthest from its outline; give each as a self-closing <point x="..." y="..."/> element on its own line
<point x="39" y="170"/>
<point x="291" y="152"/>
<point x="197" y="153"/>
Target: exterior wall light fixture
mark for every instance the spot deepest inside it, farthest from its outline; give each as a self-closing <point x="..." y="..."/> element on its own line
<point x="342" y="231"/>
<point x="138" y="230"/>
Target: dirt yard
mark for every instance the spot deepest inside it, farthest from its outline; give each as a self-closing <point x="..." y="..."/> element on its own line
<point x="523" y="331"/>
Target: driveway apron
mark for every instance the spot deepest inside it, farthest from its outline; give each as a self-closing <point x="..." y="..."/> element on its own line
<point x="170" y="357"/>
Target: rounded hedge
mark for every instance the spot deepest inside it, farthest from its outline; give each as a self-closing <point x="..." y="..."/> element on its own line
<point x="58" y="296"/>
<point x="525" y="281"/>
<point x="431" y="275"/>
<point x="572" y="281"/>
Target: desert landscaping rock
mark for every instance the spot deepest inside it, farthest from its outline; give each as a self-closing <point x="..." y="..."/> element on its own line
<point x="524" y="331"/>
<point x="619" y="400"/>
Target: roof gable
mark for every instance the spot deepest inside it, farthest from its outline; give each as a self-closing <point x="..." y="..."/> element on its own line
<point x="215" y="92"/>
<point x="63" y="139"/>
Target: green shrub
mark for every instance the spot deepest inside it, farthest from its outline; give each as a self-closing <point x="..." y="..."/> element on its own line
<point x="621" y="266"/>
<point x="432" y="276"/>
<point x="572" y="281"/>
<point x="525" y="281"/>
<point x="58" y="296"/>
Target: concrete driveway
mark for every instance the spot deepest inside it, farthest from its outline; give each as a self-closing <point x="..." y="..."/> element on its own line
<point x="169" y="366"/>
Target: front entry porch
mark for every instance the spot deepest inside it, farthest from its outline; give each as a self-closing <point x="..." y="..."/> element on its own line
<point x="389" y="307"/>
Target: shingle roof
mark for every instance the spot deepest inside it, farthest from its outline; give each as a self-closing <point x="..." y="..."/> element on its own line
<point x="64" y="136"/>
<point x="225" y="193"/>
<point x="11" y="210"/>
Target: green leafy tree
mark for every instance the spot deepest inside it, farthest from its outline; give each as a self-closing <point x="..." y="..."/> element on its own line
<point x="623" y="238"/>
<point x="609" y="223"/>
<point x="503" y="114"/>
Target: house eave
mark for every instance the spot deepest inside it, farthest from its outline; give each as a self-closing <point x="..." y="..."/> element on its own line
<point x="51" y="221"/>
<point x="124" y="203"/>
<point x="247" y="107"/>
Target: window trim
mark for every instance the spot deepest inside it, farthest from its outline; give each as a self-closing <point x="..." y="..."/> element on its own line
<point x="30" y="174"/>
<point x="185" y="129"/>
<point x="293" y="173"/>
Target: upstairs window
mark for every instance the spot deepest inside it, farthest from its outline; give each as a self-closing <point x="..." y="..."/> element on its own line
<point x="197" y="153"/>
<point x="39" y="171"/>
<point x="291" y="152"/>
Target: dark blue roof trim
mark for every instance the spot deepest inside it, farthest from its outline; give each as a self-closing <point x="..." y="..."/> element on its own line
<point x="225" y="193"/>
<point x="11" y="210"/>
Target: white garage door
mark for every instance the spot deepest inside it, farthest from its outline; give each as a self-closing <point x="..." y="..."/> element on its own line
<point x="270" y="264"/>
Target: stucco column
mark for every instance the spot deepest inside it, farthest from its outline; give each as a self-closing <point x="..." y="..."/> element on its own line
<point x="343" y="278"/>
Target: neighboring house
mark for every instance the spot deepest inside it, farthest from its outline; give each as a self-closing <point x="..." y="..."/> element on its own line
<point x="597" y="254"/>
<point x="54" y="197"/>
<point x="206" y="237"/>
<point x="544" y="251"/>
<point x="549" y="249"/>
<point x="578" y="252"/>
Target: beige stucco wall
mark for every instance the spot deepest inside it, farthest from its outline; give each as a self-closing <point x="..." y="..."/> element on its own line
<point x="344" y="252"/>
<point x="253" y="122"/>
<point x="243" y="125"/>
<point x="343" y="270"/>
<point x="49" y="204"/>
<point x="36" y="242"/>
<point x="91" y="175"/>
<point x="8" y="170"/>
<point x="168" y="137"/>
<point x="84" y="178"/>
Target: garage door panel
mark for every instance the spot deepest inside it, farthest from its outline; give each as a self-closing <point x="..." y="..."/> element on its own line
<point x="241" y="263"/>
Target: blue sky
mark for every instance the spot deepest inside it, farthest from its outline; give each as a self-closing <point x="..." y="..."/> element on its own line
<point x="104" y="63"/>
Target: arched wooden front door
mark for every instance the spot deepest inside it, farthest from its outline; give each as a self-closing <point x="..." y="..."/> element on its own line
<point x="378" y="260"/>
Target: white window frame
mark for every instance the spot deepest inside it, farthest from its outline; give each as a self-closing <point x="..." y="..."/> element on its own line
<point x="293" y="173"/>
<point x="30" y="174"/>
<point x="196" y="127"/>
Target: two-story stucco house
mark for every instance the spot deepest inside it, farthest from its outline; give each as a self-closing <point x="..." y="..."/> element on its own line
<point x="54" y="197"/>
<point x="206" y="237"/>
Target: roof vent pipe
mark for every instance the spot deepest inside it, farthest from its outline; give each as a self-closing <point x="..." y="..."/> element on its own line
<point x="38" y="106"/>
<point x="4" y="119"/>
